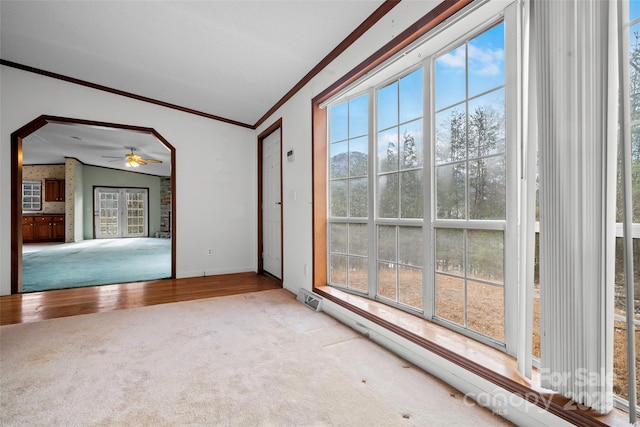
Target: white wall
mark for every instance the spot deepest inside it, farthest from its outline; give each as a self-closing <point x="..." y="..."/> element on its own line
<point x="296" y="135"/>
<point x="215" y="169"/>
<point x="78" y="199"/>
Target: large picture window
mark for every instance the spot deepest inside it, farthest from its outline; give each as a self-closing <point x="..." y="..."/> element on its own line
<point x="418" y="205"/>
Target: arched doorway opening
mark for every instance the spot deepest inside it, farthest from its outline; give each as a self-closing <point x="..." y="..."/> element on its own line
<point x="95" y="151"/>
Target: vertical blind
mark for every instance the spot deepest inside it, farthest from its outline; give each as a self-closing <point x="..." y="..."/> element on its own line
<point x="576" y="120"/>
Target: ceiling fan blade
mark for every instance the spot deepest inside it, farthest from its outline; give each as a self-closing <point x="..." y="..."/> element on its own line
<point x="152" y="160"/>
<point x="112" y="157"/>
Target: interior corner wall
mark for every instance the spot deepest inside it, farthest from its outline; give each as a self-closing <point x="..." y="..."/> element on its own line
<point x="216" y="182"/>
<point x="297" y="182"/>
<point x="78" y="200"/>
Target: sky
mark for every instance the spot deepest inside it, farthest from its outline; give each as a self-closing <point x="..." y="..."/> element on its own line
<point x="634" y="14"/>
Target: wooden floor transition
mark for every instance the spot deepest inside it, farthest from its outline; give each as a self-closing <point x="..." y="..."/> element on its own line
<point x="37" y="306"/>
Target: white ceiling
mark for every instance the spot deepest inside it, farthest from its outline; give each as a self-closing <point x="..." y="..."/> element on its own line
<point x="232" y="59"/>
<point x="94" y="145"/>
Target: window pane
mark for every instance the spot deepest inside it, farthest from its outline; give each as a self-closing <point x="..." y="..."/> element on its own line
<point x="410" y="245"/>
<point x="339" y="270"/>
<point x="487" y="188"/>
<point x="387" y="243"/>
<point x="388" y="150"/>
<point x="339" y="198"/>
<point x="359" y="116"/>
<point x="358" y="194"/>
<point x="358" y="239"/>
<point x="410" y="286"/>
<point x="485" y="309"/>
<point x="450" y="250"/>
<point x="339" y="125"/>
<point x="411" y="194"/>
<point x="411" y="154"/>
<point x="388" y="196"/>
<point x="339" y="159"/>
<point x="338" y="240"/>
<point x="486" y="60"/>
<point x="358" y="156"/>
<point x="451" y="135"/>
<point x="411" y="96"/>
<point x="450" y="78"/>
<point x="358" y="274"/>
<point x="388" y="106"/>
<point x="450" y="298"/>
<point x="450" y="191"/>
<point x="486" y="124"/>
<point x="621" y="372"/>
<point x="634" y="10"/>
<point x="485" y="250"/>
<point x="387" y="280"/>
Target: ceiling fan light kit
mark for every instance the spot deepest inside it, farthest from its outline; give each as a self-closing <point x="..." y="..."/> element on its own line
<point x="133" y="160"/>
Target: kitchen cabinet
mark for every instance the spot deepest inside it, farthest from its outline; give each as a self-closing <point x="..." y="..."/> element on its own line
<point x="27" y="228"/>
<point x="43" y="228"/>
<point x="57" y="227"/>
<point x="54" y="190"/>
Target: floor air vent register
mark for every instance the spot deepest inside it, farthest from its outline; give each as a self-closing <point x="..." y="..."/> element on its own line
<point x="309" y="299"/>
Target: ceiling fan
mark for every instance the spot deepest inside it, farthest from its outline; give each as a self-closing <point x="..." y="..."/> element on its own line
<point x="134" y="160"/>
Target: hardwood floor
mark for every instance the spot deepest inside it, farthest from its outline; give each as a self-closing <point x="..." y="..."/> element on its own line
<point x="36" y="306"/>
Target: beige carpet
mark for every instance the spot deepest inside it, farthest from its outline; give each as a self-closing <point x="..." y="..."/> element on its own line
<point x="260" y="359"/>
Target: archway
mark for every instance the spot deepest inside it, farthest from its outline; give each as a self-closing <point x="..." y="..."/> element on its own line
<point x="17" y="138"/>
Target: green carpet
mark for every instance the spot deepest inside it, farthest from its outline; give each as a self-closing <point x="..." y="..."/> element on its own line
<point x="96" y="262"/>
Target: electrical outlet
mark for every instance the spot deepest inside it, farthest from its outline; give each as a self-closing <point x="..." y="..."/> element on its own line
<point x="209" y="251"/>
<point x="306" y="270"/>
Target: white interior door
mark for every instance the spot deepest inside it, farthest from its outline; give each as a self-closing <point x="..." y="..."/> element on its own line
<point x="120" y="212"/>
<point x="271" y="205"/>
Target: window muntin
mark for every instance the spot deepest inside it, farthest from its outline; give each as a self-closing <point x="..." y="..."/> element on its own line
<point x="400" y="155"/>
<point x="470" y="184"/>
<point x="31" y="195"/>
<point x="400" y="190"/>
<point x="349" y="194"/>
<point x="349" y="159"/>
<point x="470" y="129"/>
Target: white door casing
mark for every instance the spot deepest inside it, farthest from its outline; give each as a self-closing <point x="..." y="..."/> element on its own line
<point x="272" y="205"/>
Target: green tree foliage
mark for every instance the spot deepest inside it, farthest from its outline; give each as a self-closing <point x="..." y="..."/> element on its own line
<point x="411" y="182"/>
<point x="634" y="97"/>
<point x="486" y="175"/>
<point x="460" y="142"/>
<point x="349" y="197"/>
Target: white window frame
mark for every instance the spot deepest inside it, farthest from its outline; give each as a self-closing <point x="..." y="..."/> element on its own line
<point x="459" y="32"/>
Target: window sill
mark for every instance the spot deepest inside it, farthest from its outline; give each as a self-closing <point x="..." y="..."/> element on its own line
<point x="480" y="359"/>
